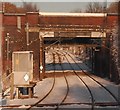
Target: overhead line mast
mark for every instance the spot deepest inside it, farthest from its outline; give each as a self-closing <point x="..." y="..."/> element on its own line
<point x="119" y="38"/>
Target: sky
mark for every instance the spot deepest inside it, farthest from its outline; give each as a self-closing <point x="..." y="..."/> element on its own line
<point x="60" y="6"/>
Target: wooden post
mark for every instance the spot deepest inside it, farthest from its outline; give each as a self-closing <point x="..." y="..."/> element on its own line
<point x="18" y="93"/>
<point x="30" y="92"/>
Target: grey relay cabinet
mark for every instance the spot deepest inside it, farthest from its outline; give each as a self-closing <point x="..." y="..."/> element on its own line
<point x="22" y="67"/>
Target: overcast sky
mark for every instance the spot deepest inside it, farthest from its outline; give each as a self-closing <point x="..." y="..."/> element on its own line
<point x="60" y="6"/>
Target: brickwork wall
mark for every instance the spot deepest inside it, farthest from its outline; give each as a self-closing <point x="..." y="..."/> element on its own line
<point x="18" y="38"/>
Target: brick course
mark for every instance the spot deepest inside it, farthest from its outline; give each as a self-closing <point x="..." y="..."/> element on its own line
<point x="19" y="38"/>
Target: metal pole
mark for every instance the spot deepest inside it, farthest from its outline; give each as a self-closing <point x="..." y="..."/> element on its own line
<point x="27" y="35"/>
<point x="1" y="61"/>
<point x="110" y="63"/>
<point x="42" y="66"/>
<point x="92" y="60"/>
<point x="7" y="39"/>
<point x="119" y="34"/>
<point x="119" y="40"/>
<point x="12" y="82"/>
<point x="12" y="86"/>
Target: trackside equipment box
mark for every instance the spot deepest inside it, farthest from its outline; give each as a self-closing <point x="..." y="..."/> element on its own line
<point x="22" y="67"/>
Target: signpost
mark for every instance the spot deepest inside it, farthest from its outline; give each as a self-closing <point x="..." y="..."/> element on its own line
<point x="41" y="57"/>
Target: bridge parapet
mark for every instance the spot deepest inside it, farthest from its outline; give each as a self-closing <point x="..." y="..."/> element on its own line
<point x="79" y="31"/>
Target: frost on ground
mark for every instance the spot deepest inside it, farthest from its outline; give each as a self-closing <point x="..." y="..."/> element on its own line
<point x="77" y="94"/>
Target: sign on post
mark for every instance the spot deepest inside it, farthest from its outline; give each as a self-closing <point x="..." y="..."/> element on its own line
<point x="41" y="67"/>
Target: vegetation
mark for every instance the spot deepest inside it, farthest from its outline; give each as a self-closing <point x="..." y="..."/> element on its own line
<point x="96" y="7"/>
<point x="92" y="7"/>
<point x="113" y="8"/>
<point x="27" y="7"/>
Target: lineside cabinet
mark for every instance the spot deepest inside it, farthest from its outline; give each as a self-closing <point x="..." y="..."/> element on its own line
<point x="22" y="69"/>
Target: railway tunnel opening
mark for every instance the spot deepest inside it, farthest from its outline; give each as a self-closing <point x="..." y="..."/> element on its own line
<point x="85" y="51"/>
<point x="77" y="52"/>
<point x="99" y="46"/>
<point x="92" y="53"/>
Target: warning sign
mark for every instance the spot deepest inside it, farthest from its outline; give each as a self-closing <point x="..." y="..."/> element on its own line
<point x="41" y="67"/>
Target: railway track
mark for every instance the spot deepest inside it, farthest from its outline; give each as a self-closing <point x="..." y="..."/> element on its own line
<point x="88" y="75"/>
<point x="56" y="106"/>
<point x="40" y="100"/>
<point x="36" y="104"/>
<point x="92" y="98"/>
<point x="61" y="102"/>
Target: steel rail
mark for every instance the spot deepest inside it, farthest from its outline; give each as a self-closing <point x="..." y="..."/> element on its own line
<point x="92" y="98"/>
<point x="96" y="81"/>
<point x="66" y="83"/>
<point x="55" y="104"/>
<point x="35" y="104"/>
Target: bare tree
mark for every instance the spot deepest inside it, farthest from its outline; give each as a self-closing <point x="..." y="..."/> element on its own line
<point x="113" y="8"/>
<point x="10" y="8"/>
<point x="94" y="7"/>
<point x="29" y="7"/>
<point x="76" y="11"/>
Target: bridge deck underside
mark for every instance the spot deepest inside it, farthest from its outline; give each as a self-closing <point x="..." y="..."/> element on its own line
<point x="73" y="40"/>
